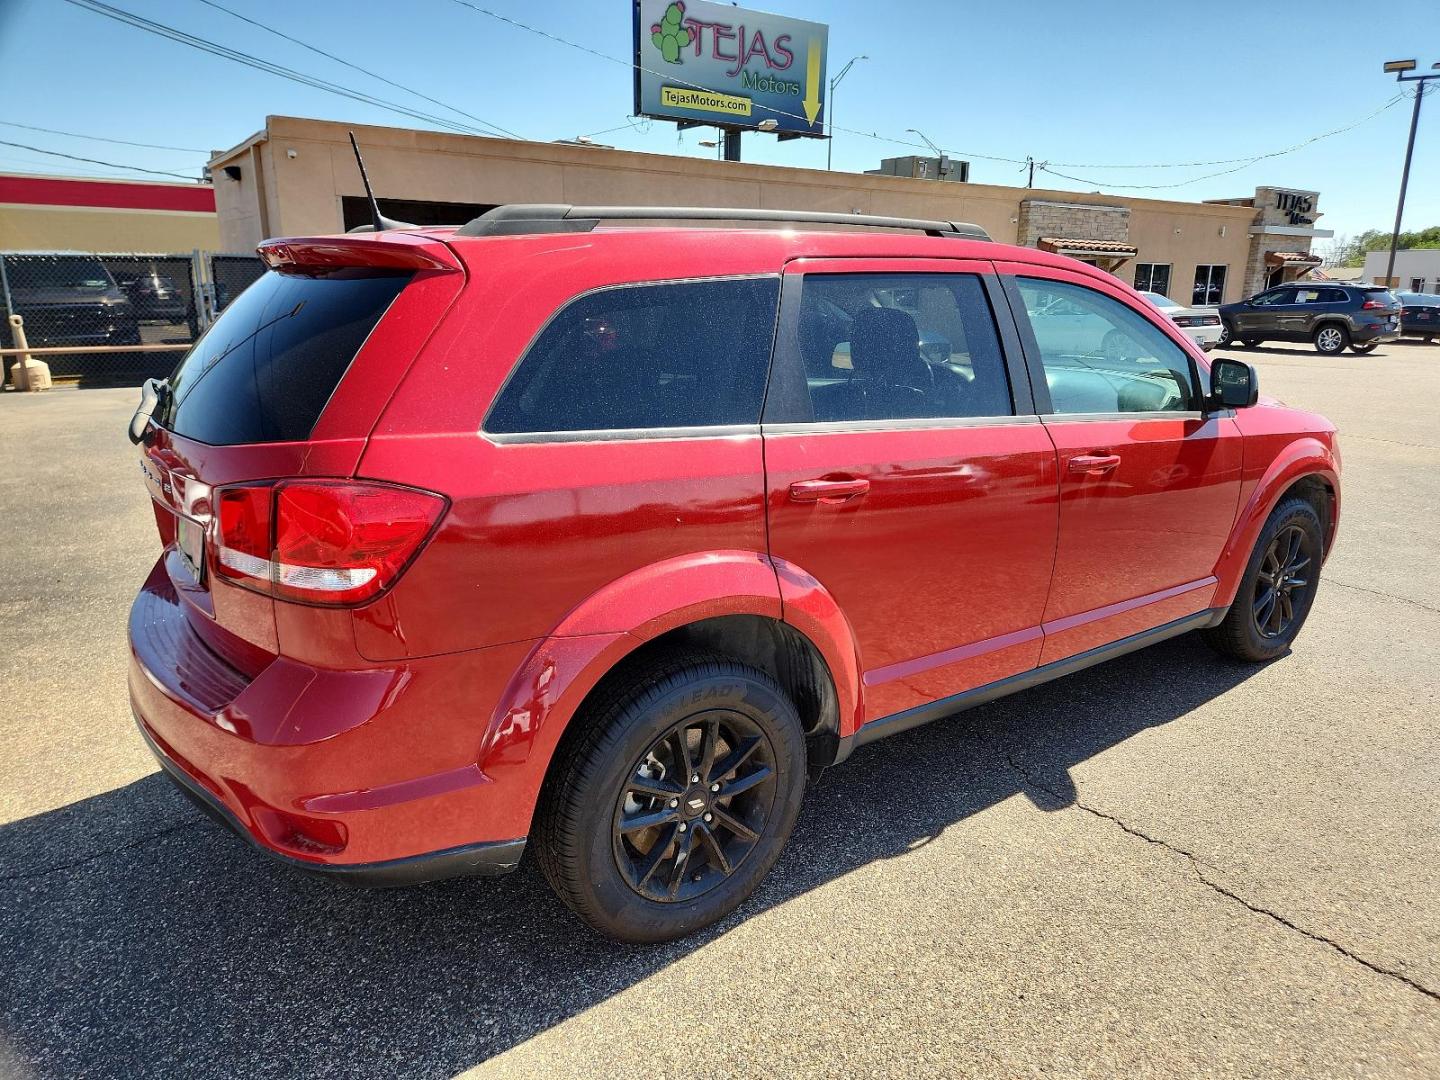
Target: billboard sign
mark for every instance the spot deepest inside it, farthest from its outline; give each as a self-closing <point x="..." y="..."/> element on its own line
<point x="709" y="63"/>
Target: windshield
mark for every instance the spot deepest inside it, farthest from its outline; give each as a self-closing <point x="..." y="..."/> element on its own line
<point x="1160" y="301"/>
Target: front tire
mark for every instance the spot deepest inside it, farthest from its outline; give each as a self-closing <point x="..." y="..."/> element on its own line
<point x="672" y="806"/>
<point x="1331" y="340"/>
<point x="1278" y="588"/>
<point x="1227" y="336"/>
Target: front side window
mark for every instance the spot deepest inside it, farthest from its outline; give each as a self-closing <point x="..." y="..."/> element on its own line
<point x="1153" y="277"/>
<point x="669" y="355"/>
<point x="1209" y="285"/>
<point x="1274" y="297"/>
<point x="900" y="346"/>
<point x="1101" y="356"/>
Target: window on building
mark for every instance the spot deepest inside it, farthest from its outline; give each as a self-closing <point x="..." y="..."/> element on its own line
<point x="1153" y="277"/>
<point x="1100" y="356"/>
<point x="1209" y="284"/>
<point x="690" y="354"/>
<point x="900" y="346"/>
<point x="1417" y="284"/>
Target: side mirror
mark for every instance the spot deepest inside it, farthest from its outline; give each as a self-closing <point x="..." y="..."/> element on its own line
<point x="1233" y="384"/>
<point x="150" y="395"/>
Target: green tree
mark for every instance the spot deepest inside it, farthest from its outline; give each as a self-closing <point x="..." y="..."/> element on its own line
<point x="1350" y="251"/>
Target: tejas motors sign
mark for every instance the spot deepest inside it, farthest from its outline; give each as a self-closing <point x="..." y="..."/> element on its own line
<point x="716" y="64"/>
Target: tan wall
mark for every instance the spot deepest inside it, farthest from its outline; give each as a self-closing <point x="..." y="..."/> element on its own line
<point x="1186" y="235"/>
<point x="303" y="191"/>
<point x="67" y="228"/>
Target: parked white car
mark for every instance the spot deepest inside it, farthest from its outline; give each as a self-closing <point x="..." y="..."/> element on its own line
<point x="1201" y="324"/>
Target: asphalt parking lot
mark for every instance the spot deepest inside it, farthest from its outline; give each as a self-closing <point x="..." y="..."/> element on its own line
<point x="1169" y="865"/>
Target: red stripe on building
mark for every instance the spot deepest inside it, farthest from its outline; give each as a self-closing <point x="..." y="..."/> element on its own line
<point x="106" y="194"/>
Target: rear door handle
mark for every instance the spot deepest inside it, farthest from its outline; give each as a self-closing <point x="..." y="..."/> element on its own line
<point x="827" y="490"/>
<point x="1094" y="463"/>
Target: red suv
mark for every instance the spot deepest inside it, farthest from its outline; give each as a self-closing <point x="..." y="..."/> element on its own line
<point x="611" y="538"/>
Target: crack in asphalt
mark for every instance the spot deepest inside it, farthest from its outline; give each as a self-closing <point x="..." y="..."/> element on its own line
<point x="1196" y="865"/>
<point x="1377" y="592"/>
<point x="104" y="854"/>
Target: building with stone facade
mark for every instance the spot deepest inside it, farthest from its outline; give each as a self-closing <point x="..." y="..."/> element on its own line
<point x="298" y="177"/>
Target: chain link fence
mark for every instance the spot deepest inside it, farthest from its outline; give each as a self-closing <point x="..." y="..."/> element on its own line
<point x="122" y="317"/>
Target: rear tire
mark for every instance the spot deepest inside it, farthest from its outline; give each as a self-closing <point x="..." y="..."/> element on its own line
<point x="1278" y="588"/>
<point x="1331" y="339"/>
<point x="644" y="852"/>
<point x="1253" y="342"/>
<point x="1227" y="336"/>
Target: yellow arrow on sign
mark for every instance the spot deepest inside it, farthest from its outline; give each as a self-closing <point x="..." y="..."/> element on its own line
<point x="812" y="81"/>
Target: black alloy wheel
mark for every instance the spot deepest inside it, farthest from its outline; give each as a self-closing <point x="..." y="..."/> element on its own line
<point x="696" y="803"/>
<point x="1278" y="588"/>
<point x="672" y="795"/>
<point x="1227" y="335"/>
<point x="1285" y="571"/>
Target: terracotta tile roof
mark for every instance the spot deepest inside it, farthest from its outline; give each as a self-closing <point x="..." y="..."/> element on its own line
<point x="1067" y="243"/>
<point x="1291" y="258"/>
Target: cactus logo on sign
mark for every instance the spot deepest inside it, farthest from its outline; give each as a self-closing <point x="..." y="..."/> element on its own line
<point x="711" y="63"/>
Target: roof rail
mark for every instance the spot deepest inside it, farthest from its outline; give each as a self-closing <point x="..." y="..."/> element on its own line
<point x="519" y="218"/>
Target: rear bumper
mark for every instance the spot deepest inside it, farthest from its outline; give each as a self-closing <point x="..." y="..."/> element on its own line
<point x="368" y="775"/>
<point x="1374" y="333"/>
<point x="482" y="859"/>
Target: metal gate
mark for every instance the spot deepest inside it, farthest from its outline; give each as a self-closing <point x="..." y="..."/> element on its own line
<point x="115" y="318"/>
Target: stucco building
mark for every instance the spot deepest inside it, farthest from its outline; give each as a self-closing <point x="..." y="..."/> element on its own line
<point x="298" y="176"/>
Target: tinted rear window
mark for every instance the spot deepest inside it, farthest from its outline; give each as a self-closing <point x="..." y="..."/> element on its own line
<point x="265" y="370"/>
<point x="687" y="354"/>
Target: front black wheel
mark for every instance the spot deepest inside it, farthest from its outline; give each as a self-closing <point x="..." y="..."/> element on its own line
<point x="1278" y="588"/>
<point x="677" y="800"/>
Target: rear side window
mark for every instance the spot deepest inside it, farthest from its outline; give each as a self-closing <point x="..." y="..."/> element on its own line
<point x="683" y="354"/>
<point x="906" y="346"/>
<point x="265" y="370"/>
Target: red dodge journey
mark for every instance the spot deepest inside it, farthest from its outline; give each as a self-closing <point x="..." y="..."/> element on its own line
<point x="605" y="540"/>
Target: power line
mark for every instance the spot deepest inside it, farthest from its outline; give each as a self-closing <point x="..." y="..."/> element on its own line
<point x="1245" y="163"/>
<point x="672" y="78"/>
<point x="169" y="32"/>
<point x="1022" y="162"/>
<point x="95" y="161"/>
<point x="356" y="67"/>
<point x="102" y="138"/>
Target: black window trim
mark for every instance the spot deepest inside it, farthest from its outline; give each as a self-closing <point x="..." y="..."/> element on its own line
<point x="787" y="400"/>
<point x="688" y="431"/>
<point x="1036" y="366"/>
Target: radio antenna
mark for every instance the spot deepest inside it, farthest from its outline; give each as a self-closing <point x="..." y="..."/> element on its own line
<point x="379" y="222"/>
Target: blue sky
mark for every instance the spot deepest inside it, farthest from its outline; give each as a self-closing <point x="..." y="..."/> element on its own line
<point x="1086" y="84"/>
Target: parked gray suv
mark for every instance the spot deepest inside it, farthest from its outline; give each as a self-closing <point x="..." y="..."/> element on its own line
<point x="1333" y="315"/>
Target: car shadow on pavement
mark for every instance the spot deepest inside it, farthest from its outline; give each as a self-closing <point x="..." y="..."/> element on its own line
<point x="139" y="938"/>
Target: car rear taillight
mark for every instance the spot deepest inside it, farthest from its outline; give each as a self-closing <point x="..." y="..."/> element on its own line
<point x="1373" y="305"/>
<point x="321" y="541"/>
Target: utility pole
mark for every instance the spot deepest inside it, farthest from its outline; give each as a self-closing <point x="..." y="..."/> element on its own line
<point x="1400" y="67"/>
<point x="1030" y="164"/>
<point x="830" y="110"/>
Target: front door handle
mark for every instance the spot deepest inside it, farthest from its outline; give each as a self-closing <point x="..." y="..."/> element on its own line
<point x="827" y="490"/>
<point x="1094" y="463"/>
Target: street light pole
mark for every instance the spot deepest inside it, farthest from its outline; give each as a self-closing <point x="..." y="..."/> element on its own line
<point x="1399" y="67"/>
<point x="830" y="110"/>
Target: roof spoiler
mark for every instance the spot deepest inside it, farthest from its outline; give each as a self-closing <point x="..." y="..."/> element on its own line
<point x="521" y="218"/>
<point x="398" y="251"/>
